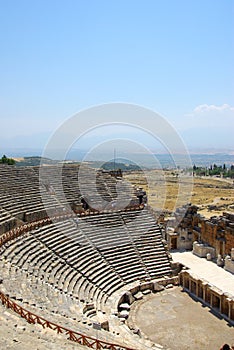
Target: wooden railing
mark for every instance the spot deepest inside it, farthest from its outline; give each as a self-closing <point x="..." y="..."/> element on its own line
<point x="32" y="318"/>
<point x="72" y="335"/>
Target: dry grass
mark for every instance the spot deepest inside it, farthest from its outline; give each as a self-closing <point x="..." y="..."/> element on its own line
<point x="167" y="191"/>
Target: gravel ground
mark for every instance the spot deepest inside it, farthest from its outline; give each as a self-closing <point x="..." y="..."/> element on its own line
<point x="174" y="320"/>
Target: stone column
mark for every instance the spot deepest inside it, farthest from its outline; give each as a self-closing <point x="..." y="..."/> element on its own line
<point x="211" y="299"/>
<point x="222" y="301"/>
<point x="181" y="279"/>
<point x="232" y="254"/>
<point x="190" y="282"/>
<point x="197" y="286"/>
<point x="229" y="308"/>
<point x="220" y="304"/>
<point x="230" y="303"/>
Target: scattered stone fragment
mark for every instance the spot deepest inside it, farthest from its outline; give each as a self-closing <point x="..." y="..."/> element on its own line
<point x="157" y="287"/>
<point x="146" y="291"/>
<point x="138" y="296"/>
<point x="124" y="306"/>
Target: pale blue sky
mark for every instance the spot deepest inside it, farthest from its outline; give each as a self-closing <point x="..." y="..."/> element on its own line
<point x="173" y="56"/>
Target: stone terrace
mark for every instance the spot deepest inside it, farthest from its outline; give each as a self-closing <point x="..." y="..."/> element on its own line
<point x="69" y="270"/>
<point x="91" y="257"/>
<point x="22" y="190"/>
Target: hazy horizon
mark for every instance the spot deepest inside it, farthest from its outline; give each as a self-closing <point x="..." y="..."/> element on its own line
<point x="155" y="160"/>
<point x="173" y="57"/>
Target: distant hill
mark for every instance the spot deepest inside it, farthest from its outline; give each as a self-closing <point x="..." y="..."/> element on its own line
<point x="115" y="166"/>
<point x="122" y="166"/>
<point x="34" y="161"/>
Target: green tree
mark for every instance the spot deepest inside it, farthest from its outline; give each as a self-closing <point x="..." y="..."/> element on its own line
<point x="6" y="160"/>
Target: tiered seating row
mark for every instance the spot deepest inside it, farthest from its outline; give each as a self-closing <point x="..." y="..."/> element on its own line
<point x="7" y="222"/>
<point x="22" y="189"/>
<point x="147" y="238"/>
<point x="91" y="257"/>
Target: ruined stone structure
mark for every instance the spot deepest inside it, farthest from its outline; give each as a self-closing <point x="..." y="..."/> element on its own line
<point x="78" y="258"/>
<point x="212" y="239"/>
<point x="22" y="188"/>
<point x="221" y="302"/>
<point x="218" y="232"/>
<point x="70" y="257"/>
<point x="189" y="230"/>
<point x="179" y="229"/>
<point x="229" y="262"/>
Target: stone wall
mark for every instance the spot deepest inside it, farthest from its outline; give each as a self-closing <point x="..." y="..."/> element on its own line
<point x="218" y="232"/>
<point x="220" y="302"/>
<point x="229" y="262"/>
<point x="188" y="226"/>
<point x="202" y="250"/>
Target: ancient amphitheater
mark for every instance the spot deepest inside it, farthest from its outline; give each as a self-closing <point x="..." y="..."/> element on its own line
<point x="72" y="265"/>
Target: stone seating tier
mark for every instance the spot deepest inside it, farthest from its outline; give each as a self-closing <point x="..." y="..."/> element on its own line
<point x="22" y="189"/>
<point x="86" y="257"/>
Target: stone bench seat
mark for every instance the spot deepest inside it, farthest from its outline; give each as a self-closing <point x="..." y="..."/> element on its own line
<point x="66" y="278"/>
<point x="76" y="285"/>
<point x="20" y="256"/>
<point x="81" y="258"/>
